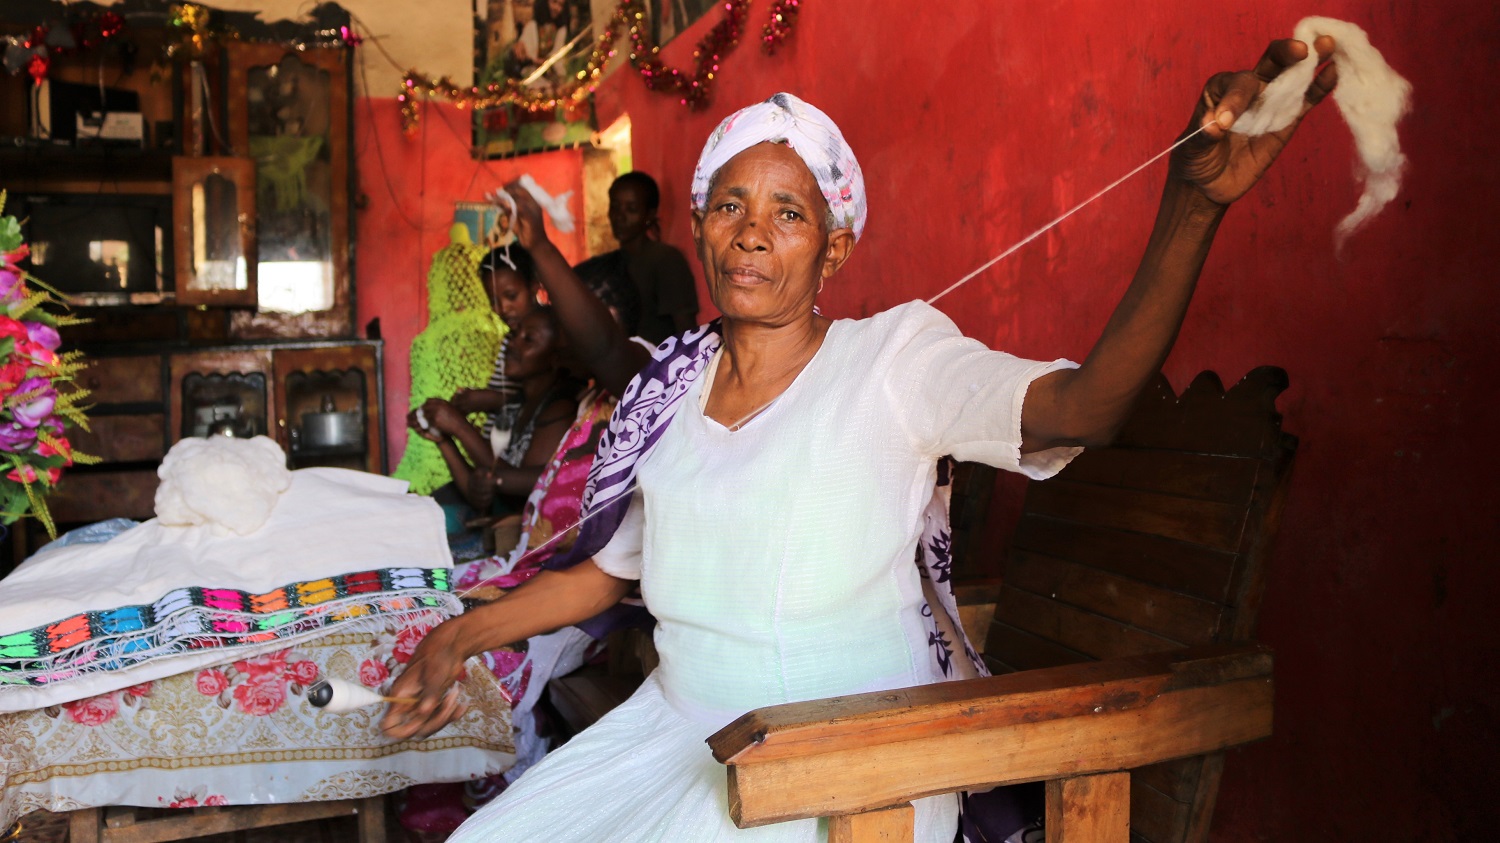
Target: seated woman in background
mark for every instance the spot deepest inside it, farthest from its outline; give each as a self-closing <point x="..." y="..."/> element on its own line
<point x="596" y="305"/>
<point x="511" y="284"/>
<point x="597" y="314"/>
<point x="537" y="421"/>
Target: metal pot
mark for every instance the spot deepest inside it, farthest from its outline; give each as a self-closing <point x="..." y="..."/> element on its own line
<point x="330" y="429"/>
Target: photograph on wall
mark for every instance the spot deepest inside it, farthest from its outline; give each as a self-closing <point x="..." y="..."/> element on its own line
<point x="541" y="44"/>
<point x="669" y="17"/>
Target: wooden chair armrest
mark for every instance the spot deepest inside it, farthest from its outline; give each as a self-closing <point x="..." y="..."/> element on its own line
<point x="848" y="755"/>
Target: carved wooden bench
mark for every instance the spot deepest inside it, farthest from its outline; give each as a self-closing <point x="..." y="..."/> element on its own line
<point x="1119" y="640"/>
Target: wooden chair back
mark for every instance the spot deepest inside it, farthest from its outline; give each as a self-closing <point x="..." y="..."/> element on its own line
<point x="1155" y="543"/>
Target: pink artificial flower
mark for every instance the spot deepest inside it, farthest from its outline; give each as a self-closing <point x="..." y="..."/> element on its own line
<point x="304" y="673"/>
<point x="22" y="474"/>
<point x="36" y="353"/>
<point x="94" y="711"/>
<point x="11" y="375"/>
<point x="12" y="259"/>
<point x="189" y="802"/>
<point x="12" y="328"/>
<point x="212" y="682"/>
<point x="216" y="799"/>
<point x="372" y="673"/>
<point x="66" y="450"/>
<point x="261" y="695"/>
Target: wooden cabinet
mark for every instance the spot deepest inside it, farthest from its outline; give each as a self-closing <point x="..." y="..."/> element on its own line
<point x="222" y="389"/>
<point x="289" y="112"/>
<point x="144" y="402"/>
<point x="328" y="404"/>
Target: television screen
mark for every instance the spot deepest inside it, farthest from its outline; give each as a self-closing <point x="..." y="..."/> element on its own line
<point x="100" y="247"/>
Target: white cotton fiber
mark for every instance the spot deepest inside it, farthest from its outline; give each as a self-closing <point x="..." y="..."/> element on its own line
<point x="228" y="484"/>
<point x="555" y="206"/>
<point x="1371" y="96"/>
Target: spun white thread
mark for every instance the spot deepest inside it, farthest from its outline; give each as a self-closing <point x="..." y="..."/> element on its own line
<point x="1070" y="212"/>
<point x="346" y="696"/>
<point x="960" y="282"/>
<point x="544" y="545"/>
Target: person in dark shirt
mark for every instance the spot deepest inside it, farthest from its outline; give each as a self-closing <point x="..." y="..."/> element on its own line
<point x="668" y="293"/>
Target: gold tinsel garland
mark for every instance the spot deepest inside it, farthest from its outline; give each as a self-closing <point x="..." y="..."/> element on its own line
<point x="692" y="89"/>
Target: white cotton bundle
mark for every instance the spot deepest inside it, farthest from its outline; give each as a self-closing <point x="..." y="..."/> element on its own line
<point x="1371" y="96"/>
<point x="228" y="484"/>
<point x="555" y="206"/>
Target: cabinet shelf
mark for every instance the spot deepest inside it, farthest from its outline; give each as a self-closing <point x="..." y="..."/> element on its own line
<point x="70" y="168"/>
<point x="299" y="453"/>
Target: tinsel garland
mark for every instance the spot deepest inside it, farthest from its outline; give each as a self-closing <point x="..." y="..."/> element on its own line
<point x="35" y="52"/>
<point x="692" y="89"/>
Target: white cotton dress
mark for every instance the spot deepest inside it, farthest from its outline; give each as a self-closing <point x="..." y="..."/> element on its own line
<point x="778" y="562"/>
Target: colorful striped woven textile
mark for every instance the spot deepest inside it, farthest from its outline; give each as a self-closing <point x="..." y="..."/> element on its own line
<point x="193" y="619"/>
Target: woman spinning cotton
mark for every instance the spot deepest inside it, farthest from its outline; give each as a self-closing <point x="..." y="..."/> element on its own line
<point x="769" y="479"/>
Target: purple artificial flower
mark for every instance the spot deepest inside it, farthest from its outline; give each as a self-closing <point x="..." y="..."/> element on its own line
<point x="42" y="334"/>
<point x="12" y="286"/>
<point x="36" y="410"/>
<point x="16" y="439"/>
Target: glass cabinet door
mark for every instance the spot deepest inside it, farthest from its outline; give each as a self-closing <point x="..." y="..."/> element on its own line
<point x="329" y="406"/>
<point x="213" y="215"/>
<point x="221" y="392"/>
<point x="290" y="114"/>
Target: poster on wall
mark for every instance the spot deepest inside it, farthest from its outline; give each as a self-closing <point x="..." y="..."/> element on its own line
<point x="670" y="17"/>
<point x="541" y="44"/>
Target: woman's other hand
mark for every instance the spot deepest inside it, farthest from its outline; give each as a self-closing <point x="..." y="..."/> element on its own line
<point x="431" y="677"/>
<point x="417" y="420"/>
<point x="1224" y="165"/>
<point x="443" y="417"/>
<point x="481" y="488"/>
<point x="528" y="224"/>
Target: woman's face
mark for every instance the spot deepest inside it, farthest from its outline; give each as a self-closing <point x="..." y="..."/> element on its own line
<point x="628" y="215"/>
<point x="510" y="295"/>
<point x="763" y="237"/>
<point x="532" y="348"/>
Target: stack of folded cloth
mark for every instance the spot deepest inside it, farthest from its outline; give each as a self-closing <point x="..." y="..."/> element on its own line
<point x="244" y="557"/>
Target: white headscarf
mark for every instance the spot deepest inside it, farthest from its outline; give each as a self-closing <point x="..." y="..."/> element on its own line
<point x="817" y="141"/>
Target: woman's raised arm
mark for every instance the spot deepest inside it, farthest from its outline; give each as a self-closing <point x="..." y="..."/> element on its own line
<point x="1087" y="405"/>
<point x="597" y="339"/>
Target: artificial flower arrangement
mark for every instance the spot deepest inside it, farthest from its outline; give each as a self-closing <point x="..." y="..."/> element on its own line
<point x="38" y="396"/>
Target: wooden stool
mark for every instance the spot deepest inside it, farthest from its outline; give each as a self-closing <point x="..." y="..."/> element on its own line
<point x="122" y="825"/>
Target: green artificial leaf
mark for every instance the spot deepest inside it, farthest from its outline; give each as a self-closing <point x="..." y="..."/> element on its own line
<point x="10" y="234"/>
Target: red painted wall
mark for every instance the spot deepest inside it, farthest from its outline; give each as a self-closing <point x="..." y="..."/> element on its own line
<point x="407" y="186"/>
<point x="978" y="122"/>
